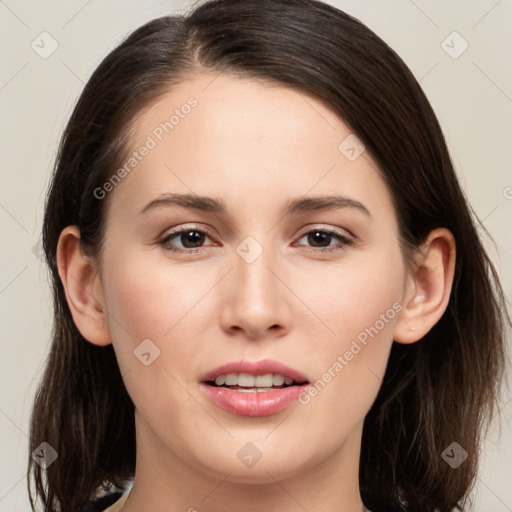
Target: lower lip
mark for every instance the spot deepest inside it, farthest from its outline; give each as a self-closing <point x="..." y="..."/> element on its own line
<point x="258" y="403"/>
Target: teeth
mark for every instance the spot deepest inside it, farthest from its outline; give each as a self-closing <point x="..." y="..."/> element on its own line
<point x="278" y="380"/>
<point x="247" y="380"/>
<point x="231" y="380"/>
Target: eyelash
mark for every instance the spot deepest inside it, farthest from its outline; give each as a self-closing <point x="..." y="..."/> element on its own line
<point x="344" y="239"/>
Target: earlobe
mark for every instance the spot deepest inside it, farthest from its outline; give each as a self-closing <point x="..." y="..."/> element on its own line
<point x="83" y="288"/>
<point x="428" y="288"/>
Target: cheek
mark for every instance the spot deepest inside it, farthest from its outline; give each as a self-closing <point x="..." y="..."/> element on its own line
<point x="358" y="309"/>
<point x="355" y="296"/>
<point x="150" y="297"/>
<point x="148" y="302"/>
<point x="151" y="311"/>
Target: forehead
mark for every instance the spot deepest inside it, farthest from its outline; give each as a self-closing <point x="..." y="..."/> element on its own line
<point x="244" y="140"/>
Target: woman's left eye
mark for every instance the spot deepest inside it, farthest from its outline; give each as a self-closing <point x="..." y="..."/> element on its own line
<point x="192" y="238"/>
<point x="320" y="236"/>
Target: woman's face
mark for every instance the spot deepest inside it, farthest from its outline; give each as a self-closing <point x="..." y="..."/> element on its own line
<point x="316" y="289"/>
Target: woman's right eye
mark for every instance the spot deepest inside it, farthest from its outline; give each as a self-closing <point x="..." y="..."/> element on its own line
<point x="189" y="238"/>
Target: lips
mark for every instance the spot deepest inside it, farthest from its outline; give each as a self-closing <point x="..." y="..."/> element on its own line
<point x="254" y="401"/>
<point x="261" y="367"/>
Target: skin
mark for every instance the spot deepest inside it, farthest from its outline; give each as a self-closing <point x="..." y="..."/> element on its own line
<point x="254" y="145"/>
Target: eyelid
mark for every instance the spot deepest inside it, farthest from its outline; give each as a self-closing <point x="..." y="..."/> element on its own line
<point x="344" y="233"/>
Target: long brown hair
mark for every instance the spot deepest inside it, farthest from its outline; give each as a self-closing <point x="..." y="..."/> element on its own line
<point x="440" y="390"/>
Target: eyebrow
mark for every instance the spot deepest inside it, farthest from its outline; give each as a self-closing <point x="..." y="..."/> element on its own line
<point x="217" y="206"/>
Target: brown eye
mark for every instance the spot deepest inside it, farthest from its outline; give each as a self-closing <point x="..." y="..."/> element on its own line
<point x="190" y="239"/>
<point x="321" y="239"/>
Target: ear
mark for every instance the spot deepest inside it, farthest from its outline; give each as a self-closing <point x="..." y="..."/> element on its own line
<point x="428" y="287"/>
<point x="83" y="288"/>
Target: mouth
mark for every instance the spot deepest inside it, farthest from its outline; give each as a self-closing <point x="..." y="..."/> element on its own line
<point x="265" y="374"/>
<point x="253" y="388"/>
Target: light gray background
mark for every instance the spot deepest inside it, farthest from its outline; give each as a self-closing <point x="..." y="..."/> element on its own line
<point x="471" y="94"/>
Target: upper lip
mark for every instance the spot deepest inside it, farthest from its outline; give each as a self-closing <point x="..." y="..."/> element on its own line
<point x="260" y="367"/>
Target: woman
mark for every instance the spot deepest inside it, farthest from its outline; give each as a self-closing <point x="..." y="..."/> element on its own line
<point x="269" y="290"/>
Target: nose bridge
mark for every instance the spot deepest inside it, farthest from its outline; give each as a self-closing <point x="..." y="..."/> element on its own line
<point x="256" y="302"/>
<point x="252" y="274"/>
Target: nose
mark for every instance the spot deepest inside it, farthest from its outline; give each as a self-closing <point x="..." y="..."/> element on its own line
<point x="257" y="301"/>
